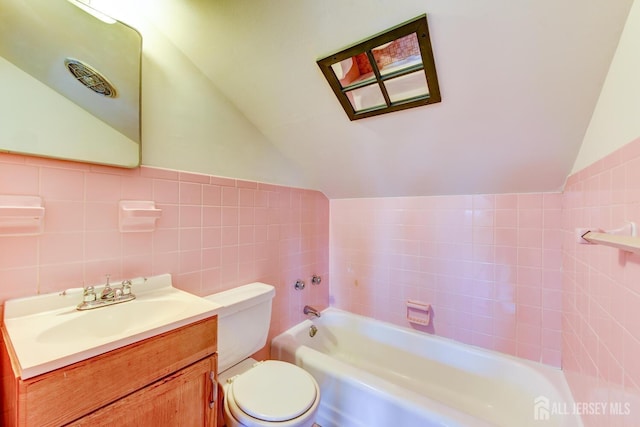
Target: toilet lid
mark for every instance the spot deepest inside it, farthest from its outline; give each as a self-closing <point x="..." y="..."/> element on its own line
<point x="274" y="391"/>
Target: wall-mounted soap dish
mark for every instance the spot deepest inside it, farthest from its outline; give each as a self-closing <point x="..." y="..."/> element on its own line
<point x="418" y="312"/>
<point x="138" y="215"/>
<point x="21" y="215"/>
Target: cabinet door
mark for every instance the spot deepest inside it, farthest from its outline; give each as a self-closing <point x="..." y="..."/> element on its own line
<point x="180" y="399"/>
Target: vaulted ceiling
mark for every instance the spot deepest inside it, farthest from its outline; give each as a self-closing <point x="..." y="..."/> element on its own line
<point x="519" y="81"/>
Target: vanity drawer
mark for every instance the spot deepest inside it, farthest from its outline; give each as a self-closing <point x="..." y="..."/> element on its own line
<point x="66" y="394"/>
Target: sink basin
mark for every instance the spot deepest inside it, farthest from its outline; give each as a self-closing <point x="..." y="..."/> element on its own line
<point x="115" y="320"/>
<point x="46" y="332"/>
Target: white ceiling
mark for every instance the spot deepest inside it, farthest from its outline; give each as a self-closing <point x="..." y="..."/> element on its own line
<point x="519" y="81"/>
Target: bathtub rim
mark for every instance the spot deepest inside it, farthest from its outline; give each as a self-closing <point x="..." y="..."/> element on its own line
<point x="553" y="375"/>
<point x="445" y="340"/>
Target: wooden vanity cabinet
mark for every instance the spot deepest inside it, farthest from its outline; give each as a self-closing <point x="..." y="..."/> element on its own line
<point x="166" y="380"/>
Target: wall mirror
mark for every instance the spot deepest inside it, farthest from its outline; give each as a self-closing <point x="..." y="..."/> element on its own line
<point x="393" y="70"/>
<point x="70" y="83"/>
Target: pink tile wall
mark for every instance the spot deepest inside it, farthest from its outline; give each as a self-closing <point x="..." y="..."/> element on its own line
<point x="214" y="234"/>
<point x="601" y="302"/>
<point x="490" y="265"/>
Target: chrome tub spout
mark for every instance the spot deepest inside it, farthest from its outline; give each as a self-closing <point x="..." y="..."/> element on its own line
<point x="308" y="310"/>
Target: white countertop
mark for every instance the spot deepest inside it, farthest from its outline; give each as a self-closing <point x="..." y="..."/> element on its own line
<point x="47" y="332"/>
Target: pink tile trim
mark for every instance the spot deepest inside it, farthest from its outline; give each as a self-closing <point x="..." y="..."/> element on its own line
<point x="224" y="182"/>
<point x="194" y="177"/>
<point x="151" y="172"/>
<point x="246" y="184"/>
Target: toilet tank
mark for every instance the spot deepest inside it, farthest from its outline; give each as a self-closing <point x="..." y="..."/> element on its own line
<point x="243" y="321"/>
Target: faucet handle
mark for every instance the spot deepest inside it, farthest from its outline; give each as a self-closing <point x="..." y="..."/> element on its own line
<point x="88" y="294"/>
<point x="107" y="291"/>
<point x="126" y="287"/>
<point x="107" y="286"/>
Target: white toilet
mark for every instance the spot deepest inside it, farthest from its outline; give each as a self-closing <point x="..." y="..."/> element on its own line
<point x="258" y="394"/>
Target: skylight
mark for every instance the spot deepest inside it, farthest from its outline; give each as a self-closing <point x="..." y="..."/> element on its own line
<point x="391" y="71"/>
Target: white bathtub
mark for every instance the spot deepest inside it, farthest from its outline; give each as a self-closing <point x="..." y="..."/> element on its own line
<point x="373" y="373"/>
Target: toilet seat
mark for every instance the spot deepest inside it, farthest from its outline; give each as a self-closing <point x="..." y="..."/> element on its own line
<point x="273" y="392"/>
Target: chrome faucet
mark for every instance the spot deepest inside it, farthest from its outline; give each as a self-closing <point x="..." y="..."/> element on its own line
<point x="310" y="310"/>
<point x="108" y="296"/>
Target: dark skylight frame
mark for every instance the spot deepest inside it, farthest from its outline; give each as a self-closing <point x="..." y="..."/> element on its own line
<point x="375" y="87"/>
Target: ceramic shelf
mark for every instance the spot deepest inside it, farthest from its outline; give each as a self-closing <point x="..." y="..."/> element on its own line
<point x="137" y="216"/>
<point x="418" y="313"/>
<point x="21" y="215"/>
